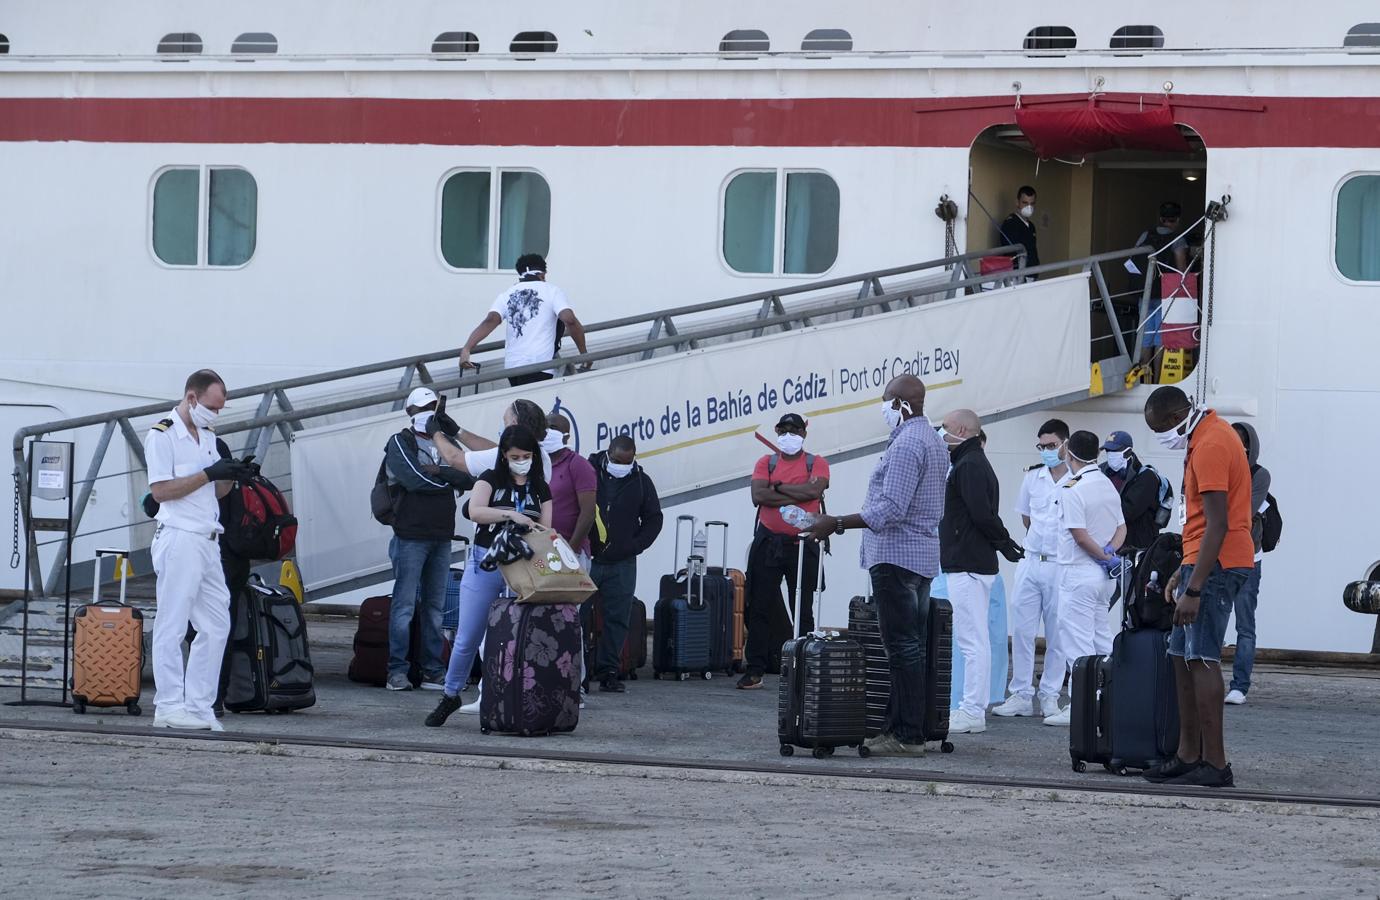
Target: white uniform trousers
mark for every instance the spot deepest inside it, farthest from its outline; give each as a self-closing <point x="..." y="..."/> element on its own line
<point x="190" y="589"/>
<point x="1084" y="629"/>
<point x="1036" y="600"/>
<point x="968" y="594"/>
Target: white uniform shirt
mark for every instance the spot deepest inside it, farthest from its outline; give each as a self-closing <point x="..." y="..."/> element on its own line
<point x="480" y="461"/>
<point x="174" y="453"/>
<point x="1036" y="501"/>
<point x="1087" y="501"/>
<point x="530" y="310"/>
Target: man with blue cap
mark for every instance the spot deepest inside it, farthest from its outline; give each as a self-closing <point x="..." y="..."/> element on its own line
<point x="1146" y="495"/>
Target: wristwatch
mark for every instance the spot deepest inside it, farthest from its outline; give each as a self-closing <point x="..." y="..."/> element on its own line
<point x="1190" y="592"/>
<point x="838" y="526"/>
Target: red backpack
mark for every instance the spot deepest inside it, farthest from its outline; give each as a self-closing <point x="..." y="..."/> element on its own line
<point x="259" y="524"/>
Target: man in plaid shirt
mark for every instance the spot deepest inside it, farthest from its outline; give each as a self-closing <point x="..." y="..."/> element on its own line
<point x="900" y="550"/>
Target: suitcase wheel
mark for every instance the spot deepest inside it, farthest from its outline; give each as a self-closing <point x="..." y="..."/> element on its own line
<point x="483" y="729"/>
<point x="682" y="676"/>
<point x="946" y="747"/>
<point x="1080" y="766"/>
<point x="863" y="751"/>
<point x="706" y="675"/>
<point x="132" y="707"/>
<point x="820" y="752"/>
<point x="1117" y="770"/>
<point x="787" y="750"/>
<point x="78" y="706"/>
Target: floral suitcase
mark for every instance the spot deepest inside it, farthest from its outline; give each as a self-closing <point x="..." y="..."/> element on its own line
<point x="531" y="668"/>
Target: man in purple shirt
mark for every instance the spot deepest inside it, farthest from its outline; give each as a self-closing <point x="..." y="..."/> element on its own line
<point x="900" y="550"/>
<point x="574" y="487"/>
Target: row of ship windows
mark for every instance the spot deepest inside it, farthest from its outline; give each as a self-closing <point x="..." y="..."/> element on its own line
<point x="772" y="221"/>
<point x="745" y="40"/>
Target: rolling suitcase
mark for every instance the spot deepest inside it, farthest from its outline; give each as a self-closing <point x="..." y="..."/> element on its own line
<point x="369" y="664"/>
<point x="723" y="592"/>
<point x="531" y="668"/>
<point x="269" y="659"/>
<point x="635" y="647"/>
<point x="682" y="626"/>
<point x="822" y="696"/>
<point x="107" y="648"/>
<point x="1125" y="711"/>
<point x="864" y="628"/>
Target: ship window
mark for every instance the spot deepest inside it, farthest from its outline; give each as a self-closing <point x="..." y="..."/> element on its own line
<point x="255" y="42"/>
<point x="533" y="42"/>
<point x="470" y="207"/>
<point x="204" y="216"/>
<point x="180" y="42"/>
<point x="456" y="42"/>
<point x="745" y="40"/>
<point x="1137" y="37"/>
<point x="762" y="235"/>
<point x="4" y="44"/>
<point x="1358" y="228"/>
<point x="1051" y="37"/>
<point x="1367" y="34"/>
<point x="827" y="40"/>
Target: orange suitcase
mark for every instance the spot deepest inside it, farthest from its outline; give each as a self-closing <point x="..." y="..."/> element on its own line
<point x="107" y="649"/>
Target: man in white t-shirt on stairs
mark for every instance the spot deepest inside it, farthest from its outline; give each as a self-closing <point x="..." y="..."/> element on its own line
<point x="536" y="314"/>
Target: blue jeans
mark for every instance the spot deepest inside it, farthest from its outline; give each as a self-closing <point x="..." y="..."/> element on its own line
<point x="1244" y="659"/>
<point x="903" y="612"/>
<point x="617" y="582"/>
<point x="478" y="591"/>
<point x="419" y="585"/>
<point x="996" y="631"/>
<point x="1202" y="640"/>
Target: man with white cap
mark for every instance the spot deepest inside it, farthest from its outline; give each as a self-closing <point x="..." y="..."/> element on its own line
<point x="424" y="487"/>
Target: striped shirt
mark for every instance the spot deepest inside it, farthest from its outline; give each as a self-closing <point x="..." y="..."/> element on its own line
<point x="905" y="500"/>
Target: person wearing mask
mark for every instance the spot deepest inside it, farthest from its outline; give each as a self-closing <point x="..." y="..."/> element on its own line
<point x="1171" y="252"/>
<point x="574" y="487"/>
<point x="970" y="535"/>
<point x="1215" y="511"/>
<point x="515" y="491"/>
<point x="535" y="312"/>
<point x="1091" y="528"/>
<point x="1244" y="658"/>
<point x="791" y="480"/>
<point x="628" y="522"/>
<point x="423" y="523"/>
<point x="1036" y="597"/>
<point x="900" y="550"/>
<point x="1138" y="485"/>
<point x="187" y="476"/>
<point x="1019" y="227"/>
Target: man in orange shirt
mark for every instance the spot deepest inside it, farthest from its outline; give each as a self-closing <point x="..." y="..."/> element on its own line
<point x="1219" y="555"/>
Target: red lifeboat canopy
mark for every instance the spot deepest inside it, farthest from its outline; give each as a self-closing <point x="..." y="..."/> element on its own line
<point x="1078" y="132"/>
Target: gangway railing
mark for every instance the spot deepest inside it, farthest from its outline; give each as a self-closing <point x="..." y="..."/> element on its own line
<point x="809" y="303"/>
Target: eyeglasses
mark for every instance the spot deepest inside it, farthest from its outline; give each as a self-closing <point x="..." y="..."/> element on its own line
<point x="1054" y="446"/>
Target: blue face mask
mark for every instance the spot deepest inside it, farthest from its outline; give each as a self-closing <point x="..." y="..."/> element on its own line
<point x="1051" y="458"/>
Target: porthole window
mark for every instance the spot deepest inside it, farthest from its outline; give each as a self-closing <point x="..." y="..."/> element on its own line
<point x="255" y="42"/>
<point x="456" y="42"/>
<point x="1357" y="238"/>
<point x="780" y="222"/>
<point x="745" y="40"/>
<point x="491" y="217"/>
<point x="1137" y="37"/>
<point x="827" y="40"/>
<point x="182" y="43"/>
<point x="1367" y="34"/>
<point x="533" y="42"/>
<point x="1051" y="37"/>
<point x="204" y="216"/>
<point x="4" y="44"/>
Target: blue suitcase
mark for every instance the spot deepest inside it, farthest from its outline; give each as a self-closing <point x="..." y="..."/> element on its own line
<point x="682" y="627"/>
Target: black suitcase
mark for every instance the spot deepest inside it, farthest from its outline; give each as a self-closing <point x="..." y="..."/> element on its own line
<point x="269" y="660"/>
<point x="682" y="623"/>
<point x="724" y="594"/>
<point x="865" y="628"/>
<point x="531" y="668"/>
<point x="822" y="703"/>
<point x="1125" y="710"/>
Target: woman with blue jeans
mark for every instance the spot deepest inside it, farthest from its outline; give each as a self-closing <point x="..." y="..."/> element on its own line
<point x="515" y="490"/>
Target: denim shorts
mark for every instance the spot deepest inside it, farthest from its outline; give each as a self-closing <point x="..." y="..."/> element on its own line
<point x="1151" y="336"/>
<point x="1203" y="639"/>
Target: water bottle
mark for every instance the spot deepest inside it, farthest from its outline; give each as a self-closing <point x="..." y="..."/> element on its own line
<point x="699" y="548"/>
<point x="797" y="518"/>
<point x="1153" y="586"/>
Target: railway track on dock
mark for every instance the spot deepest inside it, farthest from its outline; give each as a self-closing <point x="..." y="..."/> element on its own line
<point x="850" y="770"/>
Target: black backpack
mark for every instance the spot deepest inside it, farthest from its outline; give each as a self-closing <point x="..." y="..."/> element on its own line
<point x="1271" y="522"/>
<point x="1154" y="569"/>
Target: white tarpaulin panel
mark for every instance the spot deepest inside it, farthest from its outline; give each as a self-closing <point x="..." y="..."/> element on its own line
<point x="693" y="415"/>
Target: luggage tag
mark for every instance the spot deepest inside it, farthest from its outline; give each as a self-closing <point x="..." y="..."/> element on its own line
<point x="1183" y="509"/>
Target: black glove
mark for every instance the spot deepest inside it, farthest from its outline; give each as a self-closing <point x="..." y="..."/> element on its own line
<point x="228" y="470"/>
<point x="457" y="478"/>
<point x="1013" y="551"/>
<point x="444" y="423"/>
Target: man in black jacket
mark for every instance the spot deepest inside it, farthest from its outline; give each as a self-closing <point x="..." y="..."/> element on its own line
<point x="1139" y="487"/>
<point x="970" y="535"/>
<point x="423" y="522"/>
<point x="627" y="521"/>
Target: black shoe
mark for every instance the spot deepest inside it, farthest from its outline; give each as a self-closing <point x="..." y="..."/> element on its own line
<point x="1206" y="775"/>
<point x="1174" y="768"/>
<point x="749" y="682"/>
<point x="219" y="709"/>
<point x="443" y="710"/>
<point x="610" y="684"/>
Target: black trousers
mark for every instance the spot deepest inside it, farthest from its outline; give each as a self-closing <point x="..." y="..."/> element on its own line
<point x="774" y="557"/>
<point x="533" y="378"/>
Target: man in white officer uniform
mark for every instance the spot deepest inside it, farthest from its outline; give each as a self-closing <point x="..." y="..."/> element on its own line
<point x="1092" y="528"/>
<point x="186" y="477"/>
<point x="1036" y="597"/>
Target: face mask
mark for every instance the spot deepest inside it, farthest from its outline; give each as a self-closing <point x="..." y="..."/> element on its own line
<point x="203" y="416"/>
<point x="618" y="470"/>
<point x="1028" y="211"/>
<point x="520" y="468"/>
<point x="421" y="420"/>
<point x="1163" y="229"/>
<point x="1116" y="462"/>
<point x="894" y="416"/>
<point x="950" y="440"/>
<point x="1173" y="439"/>
<point x="790" y="444"/>
<point x="553" y="441"/>
<point x="1051" y="458"/>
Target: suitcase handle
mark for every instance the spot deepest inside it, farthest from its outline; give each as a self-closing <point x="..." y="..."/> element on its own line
<point x="675" y="559"/>
<point x="690" y="576"/>
<point x="800" y="583"/>
<point x="120" y="557"/>
<point x="723" y="558"/>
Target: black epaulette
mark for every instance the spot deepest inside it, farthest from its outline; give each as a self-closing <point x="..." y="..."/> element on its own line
<point x="162" y="424"/>
<point x="1038" y="465"/>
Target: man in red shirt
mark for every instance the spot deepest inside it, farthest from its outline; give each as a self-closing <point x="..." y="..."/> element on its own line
<point x="574" y="488"/>
<point x="791" y="481"/>
<point x="1219" y="555"/>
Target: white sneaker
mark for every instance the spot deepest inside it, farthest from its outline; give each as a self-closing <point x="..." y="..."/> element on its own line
<point x="1015" y="705"/>
<point x="962" y="723"/>
<point x="888" y="745"/>
<point x="1063" y="717"/>
<point x="1049" y="706"/>
<point x="215" y="724"/>
<point x="1236" y="698"/>
<point x="469" y="709"/>
<point x="180" y="720"/>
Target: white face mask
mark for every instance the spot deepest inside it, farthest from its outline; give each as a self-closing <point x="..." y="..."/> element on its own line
<point x="553" y="441"/>
<point x="790" y="444"/>
<point x="203" y="416"/>
<point x="1174" y="439"/>
<point x="520" y="468"/>
<point x="618" y="470"/>
<point x="892" y="415"/>
<point x="1028" y="211"/>
<point x="1116" y="461"/>
<point x="421" y="420"/>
